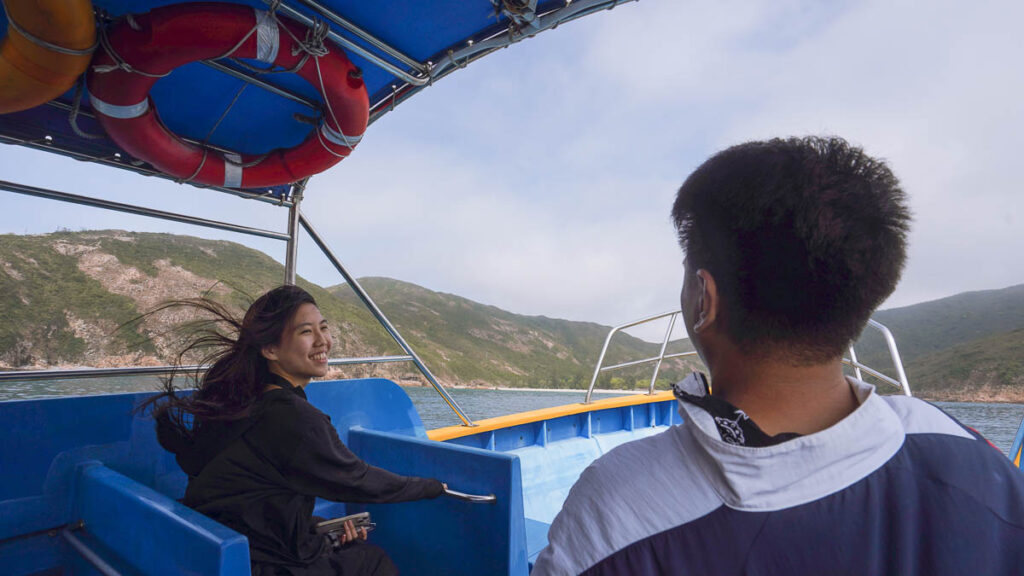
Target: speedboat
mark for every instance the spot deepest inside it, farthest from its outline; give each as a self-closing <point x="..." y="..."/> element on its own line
<point x="84" y="486"/>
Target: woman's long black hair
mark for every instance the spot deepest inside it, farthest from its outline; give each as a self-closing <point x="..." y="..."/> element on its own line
<point x="238" y="371"/>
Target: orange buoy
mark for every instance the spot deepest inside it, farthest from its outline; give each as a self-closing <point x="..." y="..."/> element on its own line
<point x="49" y="44"/>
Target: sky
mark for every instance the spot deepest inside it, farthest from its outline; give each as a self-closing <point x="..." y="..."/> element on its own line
<point x="540" y="178"/>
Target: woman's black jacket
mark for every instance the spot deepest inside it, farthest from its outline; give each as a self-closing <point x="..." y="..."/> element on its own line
<point x="260" y="475"/>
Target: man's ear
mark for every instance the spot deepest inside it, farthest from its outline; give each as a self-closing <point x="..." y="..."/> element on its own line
<point x="269" y="352"/>
<point x="707" y="300"/>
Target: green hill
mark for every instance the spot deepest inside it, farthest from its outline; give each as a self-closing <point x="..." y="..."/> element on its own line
<point x="988" y="369"/>
<point x="66" y="294"/>
<point x="486" y="344"/>
<point x="930" y="327"/>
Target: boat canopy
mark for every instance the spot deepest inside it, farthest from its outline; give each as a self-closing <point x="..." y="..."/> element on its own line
<point x="401" y="47"/>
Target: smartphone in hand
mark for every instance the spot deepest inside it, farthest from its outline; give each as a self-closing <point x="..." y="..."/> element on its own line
<point x="361" y="520"/>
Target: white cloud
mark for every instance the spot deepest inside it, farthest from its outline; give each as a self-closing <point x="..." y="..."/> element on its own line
<point x="539" y="179"/>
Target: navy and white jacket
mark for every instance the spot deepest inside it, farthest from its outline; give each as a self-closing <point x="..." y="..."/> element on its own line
<point x="897" y="487"/>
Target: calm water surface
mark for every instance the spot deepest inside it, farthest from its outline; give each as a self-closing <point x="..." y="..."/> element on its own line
<point x="998" y="422"/>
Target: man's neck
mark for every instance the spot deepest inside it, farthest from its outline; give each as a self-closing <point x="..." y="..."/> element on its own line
<point x="780" y="398"/>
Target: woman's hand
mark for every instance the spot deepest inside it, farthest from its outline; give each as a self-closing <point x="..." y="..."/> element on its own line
<point x="351" y="534"/>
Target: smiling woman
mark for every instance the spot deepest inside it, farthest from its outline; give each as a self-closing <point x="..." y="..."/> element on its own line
<point x="301" y="353"/>
<point x="257" y="454"/>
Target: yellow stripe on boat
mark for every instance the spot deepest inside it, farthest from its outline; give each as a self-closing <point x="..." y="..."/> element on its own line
<point x="1016" y="459"/>
<point x="450" y="432"/>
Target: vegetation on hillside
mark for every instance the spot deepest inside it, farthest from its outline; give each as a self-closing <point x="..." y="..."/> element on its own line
<point x="931" y="327"/>
<point x="489" y="346"/>
<point x="987" y="369"/>
<point x="65" y="295"/>
<point x="44" y="296"/>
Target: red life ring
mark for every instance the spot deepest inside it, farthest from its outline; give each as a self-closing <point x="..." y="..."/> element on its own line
<point x="139" y="50"/>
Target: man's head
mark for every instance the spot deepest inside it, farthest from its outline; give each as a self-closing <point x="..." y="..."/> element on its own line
<point x="790" y="245"/>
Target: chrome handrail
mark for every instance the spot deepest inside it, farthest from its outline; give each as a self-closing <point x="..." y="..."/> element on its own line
<point x="894" y="354"/>
<point x="659" y="358"/>
<point x="475" y="498"/>
<point x="86" y="373"/>
<point x="902" y="382"/>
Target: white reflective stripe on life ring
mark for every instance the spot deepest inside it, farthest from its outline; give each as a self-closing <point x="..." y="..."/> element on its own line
<point x="118" y="111"/>
<point x="267" y="38"/>
<point x="232" y="171"/>
<point x="339" y="138"/>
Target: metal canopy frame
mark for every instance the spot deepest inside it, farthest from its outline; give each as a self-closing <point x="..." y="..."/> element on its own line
<point x="471" y="49"/>
<point x="411" y="76"/>
<point x="514" y="23"/>
<point x="295" y="220"/>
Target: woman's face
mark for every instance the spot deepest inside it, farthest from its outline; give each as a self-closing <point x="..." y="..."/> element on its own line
<point x="302" y="352"/>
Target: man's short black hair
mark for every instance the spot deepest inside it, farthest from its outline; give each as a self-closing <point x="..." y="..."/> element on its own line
<point x="805" y="237"/>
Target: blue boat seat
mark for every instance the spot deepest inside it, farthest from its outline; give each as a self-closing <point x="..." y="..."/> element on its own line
<point x="50" y="441"/>
<point x="136" y="529"/>
<point x="456" y="537"/>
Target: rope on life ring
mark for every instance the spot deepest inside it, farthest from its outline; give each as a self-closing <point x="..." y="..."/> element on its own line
<point x="48" y="45"/>
<point x="140" y="49"/>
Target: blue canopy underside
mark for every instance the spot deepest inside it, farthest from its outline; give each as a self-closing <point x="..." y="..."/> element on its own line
<point x="194" y="97"/>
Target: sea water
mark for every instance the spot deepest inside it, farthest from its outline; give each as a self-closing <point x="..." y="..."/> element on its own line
<point x="997" y="422"/>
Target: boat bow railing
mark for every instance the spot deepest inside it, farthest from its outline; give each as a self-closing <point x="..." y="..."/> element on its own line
<point x="657" y="360"/>
<point x="859" y="369"/>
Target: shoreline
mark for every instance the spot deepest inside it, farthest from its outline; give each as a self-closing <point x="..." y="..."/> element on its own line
<point x="526" y="389"/>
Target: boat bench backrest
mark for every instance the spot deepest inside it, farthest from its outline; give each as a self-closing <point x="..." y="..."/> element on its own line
<point x="446" y="536"/>
<point x="137" y="530"/>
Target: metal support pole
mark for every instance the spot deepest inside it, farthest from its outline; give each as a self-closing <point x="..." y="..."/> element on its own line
<point x="372" y="307"/>
<point x="89" y="373"/>
<point x="661" y="355"/>
<point x="854" y="362"/>
<point x="292" y="255"/>
<point x="255" y="80"/>
<point x="364" y="35"/>
<point x="98" y="563"/>
<point x="890" y="341"/>
<point x="354" y="47"/>
<point x="607" y="341"/>
<point x="138" y="210"/>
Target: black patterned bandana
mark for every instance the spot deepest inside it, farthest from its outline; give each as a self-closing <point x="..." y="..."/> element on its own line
<point x="734" y="426"/>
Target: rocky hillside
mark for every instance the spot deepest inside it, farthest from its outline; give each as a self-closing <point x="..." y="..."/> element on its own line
<point x="66" y="298"/>
<point x="487" y="344"/>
